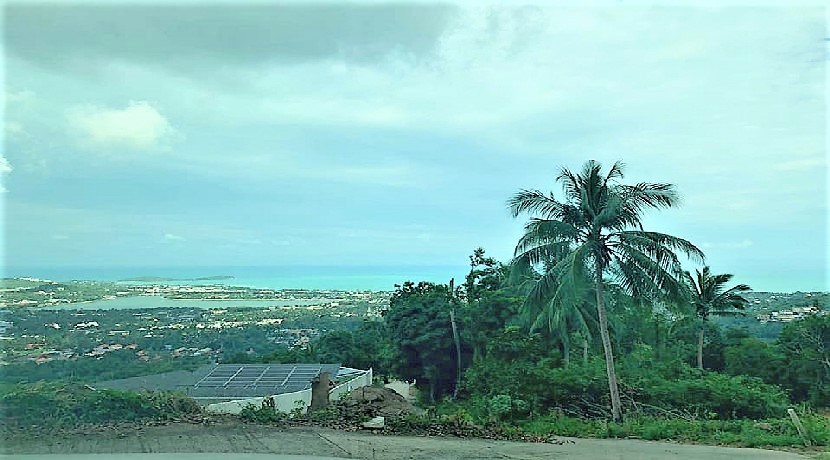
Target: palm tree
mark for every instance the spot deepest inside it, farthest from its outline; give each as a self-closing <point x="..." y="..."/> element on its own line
<point x="597" y="231"/>
<point x="709" y="297"/>
<point x="560" y="320"/>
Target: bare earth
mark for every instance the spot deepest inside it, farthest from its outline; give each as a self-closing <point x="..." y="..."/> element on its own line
<point x="239" y="438"/>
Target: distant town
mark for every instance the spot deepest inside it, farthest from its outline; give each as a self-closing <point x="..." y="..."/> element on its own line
<point x="45" y="321"/>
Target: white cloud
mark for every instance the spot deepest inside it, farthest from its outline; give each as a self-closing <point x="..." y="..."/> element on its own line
<point x="139" y="126"/>
<point x="60" y="237"/>
<point x="5" y="167"/>
<point x="172" y="237"/>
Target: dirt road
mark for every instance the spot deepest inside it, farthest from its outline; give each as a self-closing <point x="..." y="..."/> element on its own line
<point x="238" y="438"/>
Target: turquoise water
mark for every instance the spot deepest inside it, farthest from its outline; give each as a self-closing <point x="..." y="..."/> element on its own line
<point x="138" y="302"/>
<point x="367" y="278"/>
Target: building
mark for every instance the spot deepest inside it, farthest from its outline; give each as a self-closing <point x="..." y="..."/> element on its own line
<point x="228" y="388"/>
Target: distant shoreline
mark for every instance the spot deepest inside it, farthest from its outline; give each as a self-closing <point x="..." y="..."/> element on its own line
<point x="155" y="279"/>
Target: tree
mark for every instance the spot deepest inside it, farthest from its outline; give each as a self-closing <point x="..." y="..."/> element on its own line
<point x="806" y="347"/>
<point x="490" y="302"/>
<point x="558" y="317"/>
<point x="709" y="296"/>
<point x="597" y="231"/>
<point x="419" y="326"/>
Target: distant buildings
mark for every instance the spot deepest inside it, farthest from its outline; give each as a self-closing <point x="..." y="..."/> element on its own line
<point x="786" y="316"/>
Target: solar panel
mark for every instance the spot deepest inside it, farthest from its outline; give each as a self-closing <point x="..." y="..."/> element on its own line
<point x="259" y="379"/>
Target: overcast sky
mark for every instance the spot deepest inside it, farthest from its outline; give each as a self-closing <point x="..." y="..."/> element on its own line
<point x="392" y="135"/>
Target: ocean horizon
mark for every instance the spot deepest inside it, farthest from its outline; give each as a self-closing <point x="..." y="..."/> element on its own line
<point x="366" y="278"/>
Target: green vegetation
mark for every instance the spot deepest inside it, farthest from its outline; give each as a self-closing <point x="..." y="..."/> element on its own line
<point x="593" y="329"/>
<point x="710" y="298"/>
<point x="65" y="405"/>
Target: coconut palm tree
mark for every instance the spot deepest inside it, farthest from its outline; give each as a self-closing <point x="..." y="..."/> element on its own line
<point x="596" y="232"/>
<point x="709" y="296"/>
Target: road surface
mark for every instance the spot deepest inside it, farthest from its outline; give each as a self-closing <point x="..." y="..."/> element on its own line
<point x="257" y="439"/>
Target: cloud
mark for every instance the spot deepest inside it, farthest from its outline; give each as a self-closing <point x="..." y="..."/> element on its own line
<point x="60" y="237"/>
<point x="5" y="167"/>
<point x="172" y="237"/>
<point x="189" y="38"/>
<point x="139" y="126"/>
<point x="743" y="244"/>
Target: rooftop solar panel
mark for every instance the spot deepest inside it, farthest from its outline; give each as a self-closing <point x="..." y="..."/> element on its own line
<point x="259" y="379"/>
<point x="236" y="380"/>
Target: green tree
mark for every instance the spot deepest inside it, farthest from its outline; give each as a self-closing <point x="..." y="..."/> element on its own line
<point x="364" y="348"/>
<point x="597" y="231"/>
<point x="419" y="326"/>
<point x="491" y="303"/>
<point x="754" y="358"/>
<point x="709" y="297"/>
<point x="806" y="348"/>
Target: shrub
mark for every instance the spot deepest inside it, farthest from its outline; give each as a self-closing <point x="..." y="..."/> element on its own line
<point x="49" y="404"/>
<point x="717" y="396"/>
<point x="262" y="414"/>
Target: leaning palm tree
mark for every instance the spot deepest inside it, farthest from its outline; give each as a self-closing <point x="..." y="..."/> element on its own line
<point x="709" y="297"/>
<point x="597" y="231"/>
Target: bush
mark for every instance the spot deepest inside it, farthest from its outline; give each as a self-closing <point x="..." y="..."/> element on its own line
<point x="65" y="405"/>
<point x="778" y="432"/>
<point x="648" y="386"/>
<point x="262" y="414"/>
<point x="716" y="395"/>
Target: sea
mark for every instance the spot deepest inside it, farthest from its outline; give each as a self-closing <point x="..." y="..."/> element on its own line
<point x="343" y="278"/>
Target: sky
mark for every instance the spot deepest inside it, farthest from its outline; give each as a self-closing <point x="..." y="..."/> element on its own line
<point x="393" y="134"/>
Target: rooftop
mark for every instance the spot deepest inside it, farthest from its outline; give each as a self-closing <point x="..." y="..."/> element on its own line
<point x="234" y="380"/>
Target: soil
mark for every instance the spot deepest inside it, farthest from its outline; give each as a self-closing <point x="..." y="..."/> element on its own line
<point x="230" y="436"/>
<point x="373" y="402"/>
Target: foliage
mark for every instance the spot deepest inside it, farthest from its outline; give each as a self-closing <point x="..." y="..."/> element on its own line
<point x="65" y="405"/>
<point x="805" y="345"/>
<point x="597" y="232"/>
<point x="262" y="415"/>
<point x="752" y="357"/>
<point x="419" y="325"/>
<point x="774" y="432"/>
<point x="648" y="385"/>
<point x="491" y="302"/>
<point x="709" y="296"/>
<point x="470" y="417"/>
<point x="367" y="347"/>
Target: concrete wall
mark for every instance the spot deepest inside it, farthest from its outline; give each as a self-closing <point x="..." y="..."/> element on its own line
<point x="287" y="402"/>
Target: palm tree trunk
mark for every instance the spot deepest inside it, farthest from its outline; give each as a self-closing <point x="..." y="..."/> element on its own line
<point x="657" y="338"/>
<point x="457" y="353"/>
<point x="566" y="352"/>
<point x="585" y="351"/>
<point x="616" y="405"/>
<point x="700" y="345"/>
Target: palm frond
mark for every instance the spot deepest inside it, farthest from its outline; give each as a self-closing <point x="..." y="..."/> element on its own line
<point x="535" y="202"/>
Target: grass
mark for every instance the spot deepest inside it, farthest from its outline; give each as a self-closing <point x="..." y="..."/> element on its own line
<point x="738" y="433"/>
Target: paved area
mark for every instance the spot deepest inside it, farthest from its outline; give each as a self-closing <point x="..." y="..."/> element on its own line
<point x="238" y="442"/>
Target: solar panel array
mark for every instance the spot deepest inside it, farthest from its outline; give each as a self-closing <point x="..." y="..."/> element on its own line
<point x="242" y="380"/>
